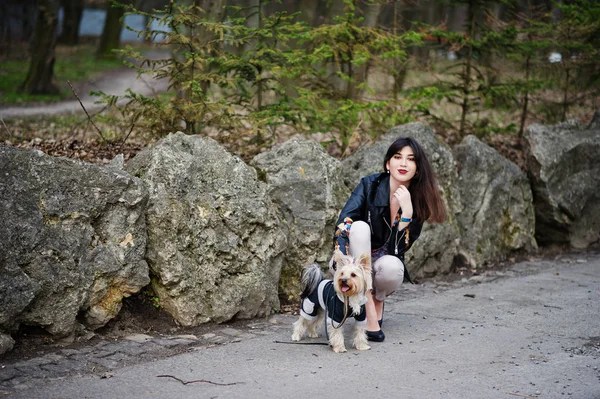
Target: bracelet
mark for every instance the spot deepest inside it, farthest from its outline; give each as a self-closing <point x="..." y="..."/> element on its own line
<point x="405" y="220"/>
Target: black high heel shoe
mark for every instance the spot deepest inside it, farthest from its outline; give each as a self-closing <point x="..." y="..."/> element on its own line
<point x="375" y="336"/>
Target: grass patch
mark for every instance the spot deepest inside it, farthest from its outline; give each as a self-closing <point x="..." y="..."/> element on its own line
<point x="73" y="63"/>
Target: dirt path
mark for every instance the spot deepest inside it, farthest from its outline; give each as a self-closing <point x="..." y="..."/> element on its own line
<point x="115" y="83"/>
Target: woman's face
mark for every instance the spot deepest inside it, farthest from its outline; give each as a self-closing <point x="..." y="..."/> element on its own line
<point x="402" y="165"/>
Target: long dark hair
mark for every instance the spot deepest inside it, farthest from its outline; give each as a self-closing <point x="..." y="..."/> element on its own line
<point x="426" y="198"/>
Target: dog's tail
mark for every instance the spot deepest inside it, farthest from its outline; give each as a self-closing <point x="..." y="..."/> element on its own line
<point x="311" y="277"/>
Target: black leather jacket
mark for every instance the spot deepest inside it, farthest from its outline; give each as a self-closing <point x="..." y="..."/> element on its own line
<point x="370" y="202"/>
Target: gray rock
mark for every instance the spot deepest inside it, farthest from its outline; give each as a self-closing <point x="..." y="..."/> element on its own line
<point x="306" y="184"/>
<point x="434" y="251"/>
<point x="72" y="241"/>
<point x="595" y="123"/>
<point x="118" y="162"/>
<point x="6" y="343"/>
<point x="215" y="245"/>
<point x="498" y="215"/>
<point x="564" y="169"/>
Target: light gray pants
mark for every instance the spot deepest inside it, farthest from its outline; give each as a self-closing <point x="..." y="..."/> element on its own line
<point x="388" y="271"/>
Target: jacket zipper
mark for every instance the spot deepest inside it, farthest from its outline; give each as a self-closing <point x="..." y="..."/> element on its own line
<point x="369" y="220"/>
<point x="391" y="234"/>
<point x="396" y="240"/>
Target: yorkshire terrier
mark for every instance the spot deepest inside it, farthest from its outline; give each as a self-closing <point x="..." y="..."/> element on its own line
<point x="336" y="299"/>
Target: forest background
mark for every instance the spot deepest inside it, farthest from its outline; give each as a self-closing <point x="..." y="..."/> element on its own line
<point x="253" y="73"/>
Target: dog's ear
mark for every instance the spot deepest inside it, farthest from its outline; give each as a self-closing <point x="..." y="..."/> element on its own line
<point x="338" y="257"/>
<point x="364" y="260"/>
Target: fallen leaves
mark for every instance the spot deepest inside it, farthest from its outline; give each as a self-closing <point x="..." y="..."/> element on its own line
<point x="89" y="150"/>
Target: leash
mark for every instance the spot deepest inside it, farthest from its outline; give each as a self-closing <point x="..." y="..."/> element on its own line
<point x="341" y="323"/>
<point x="301" y="343"/>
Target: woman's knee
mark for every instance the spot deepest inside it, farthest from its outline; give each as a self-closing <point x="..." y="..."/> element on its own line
<point x="360" y="233"/>
<point x="360" y="229"/>
<point x="360" y="238"/>
<point x="389" y="265"/>
<point x="388" y="275"/>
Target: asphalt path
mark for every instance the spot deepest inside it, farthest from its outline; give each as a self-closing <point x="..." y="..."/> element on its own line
<point x="531" y="333"/>
<point x="114" y="83"/>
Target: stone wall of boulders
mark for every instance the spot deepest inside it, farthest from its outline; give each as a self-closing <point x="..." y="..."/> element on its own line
<point x="220" y="240"/>
<point x="72" y="242"/>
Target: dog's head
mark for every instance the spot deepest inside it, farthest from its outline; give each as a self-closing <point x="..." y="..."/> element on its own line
<point x="352" y="276"/>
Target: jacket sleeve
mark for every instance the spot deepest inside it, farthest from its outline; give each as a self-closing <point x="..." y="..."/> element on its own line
<point x="351" y="212"/>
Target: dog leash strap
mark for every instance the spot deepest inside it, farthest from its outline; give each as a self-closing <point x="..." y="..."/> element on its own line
<point x="341" y="323"/>
<point x="301" y="343"/>
<point x="327" y="315"/>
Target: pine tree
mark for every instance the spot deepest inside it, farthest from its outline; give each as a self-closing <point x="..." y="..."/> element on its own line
<point x="576" y="37"/>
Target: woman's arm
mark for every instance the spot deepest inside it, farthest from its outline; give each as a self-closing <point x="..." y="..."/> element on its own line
<point x="351" y="212"/>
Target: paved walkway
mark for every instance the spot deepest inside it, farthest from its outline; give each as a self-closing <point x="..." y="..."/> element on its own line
<point x="114" y="83"/>
<point x="531" y="331"/>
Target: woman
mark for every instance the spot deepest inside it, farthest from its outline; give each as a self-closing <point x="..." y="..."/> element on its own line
<point x="384" y="217"/>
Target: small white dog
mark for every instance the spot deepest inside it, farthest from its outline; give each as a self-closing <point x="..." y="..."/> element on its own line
<point x="341" y="297"/>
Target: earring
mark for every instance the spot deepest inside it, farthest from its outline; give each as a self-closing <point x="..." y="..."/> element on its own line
<point x="388" y="171"/>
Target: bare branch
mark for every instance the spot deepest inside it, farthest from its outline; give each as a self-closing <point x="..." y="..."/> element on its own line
<point x="126" y="137"/>
<point x="5" y="127"/>
<point x="193" y="381"/>
<point x="85" y="110"/>
<point x="521" y="395"/>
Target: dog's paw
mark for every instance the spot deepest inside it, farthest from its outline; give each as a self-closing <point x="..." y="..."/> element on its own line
<point x="296" y="337"/>
<point x="363" y="347"/>
<point x="339" y="349"/>
<point x="313" y="334"/>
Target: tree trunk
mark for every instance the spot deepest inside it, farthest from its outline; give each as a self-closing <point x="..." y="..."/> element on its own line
<point x="308" y="11"/>
<point x="73" y="9"/>
<point x="371" y="13"/>
<point x="565" y="102"/>
<point x="43" y="43"/>
<point x="466" y="79"/>
<point x="111" y="34"/>
<point x="525" y="106"/>
<point x="254" y="13"/>
<point x="28" y="19"/>
<point x="336" y="8"/>
<point x="214" y="10"/>
<point x="5" y="34"/>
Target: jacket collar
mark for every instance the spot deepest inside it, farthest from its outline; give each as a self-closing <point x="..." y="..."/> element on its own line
<point x="382" y="196"/>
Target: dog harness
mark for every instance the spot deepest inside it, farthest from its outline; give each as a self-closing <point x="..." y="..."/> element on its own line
<point x="326" y="298"/>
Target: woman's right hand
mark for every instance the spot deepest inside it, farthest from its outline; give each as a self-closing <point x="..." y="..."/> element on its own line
<point x="402" y="195"/>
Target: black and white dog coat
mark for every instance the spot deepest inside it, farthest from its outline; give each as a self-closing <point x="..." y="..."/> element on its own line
<point x="326" y="297"/>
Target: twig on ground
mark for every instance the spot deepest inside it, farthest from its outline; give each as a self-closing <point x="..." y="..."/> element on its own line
<point x="126" y="137"/>
<point x="551" y="306"/>
<point x="85" y="110"/>
<point x="193" y="381"/>
<point x="523" y="396"/>
<point x="7" y="130"/>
